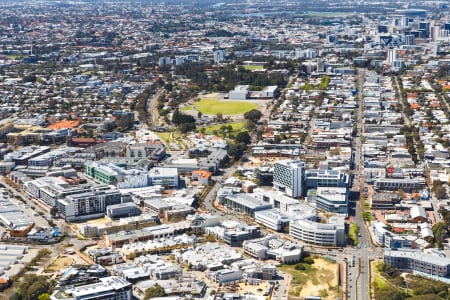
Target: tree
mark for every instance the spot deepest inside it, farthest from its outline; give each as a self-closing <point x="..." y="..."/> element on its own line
<point x="180" y="118"/>
<point x="243" y="137"/>
<point x="44" y="296"/>
<point x="53" y="211"/>
<point x="125" y="122"/>
<point x="235" y="150"/>
<point x="29" y="78"/>
<point x="154" y="291"/>
<point x="109" y="126"/>
<point x="439" y="189"/>
<point x="186" y="127"/>
<point x="440" y="232"/>
<point x="253" y="115"/>
<point x="32" y="287"/>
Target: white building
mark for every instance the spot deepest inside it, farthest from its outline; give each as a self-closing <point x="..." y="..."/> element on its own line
<point x="330" y="234"/>
<point x="227" y="276"/>
<point x="111" y="288"/>
<point x="219" y="56"/>
<point x="240" y="92"/>
<point x="272" y="218"/>
<point x="392" y="55"/>
<point x="268" y="91"/>
<point x="332" y="199"/>
<point x="167" y="177"/>
<point x="288" y="177"/>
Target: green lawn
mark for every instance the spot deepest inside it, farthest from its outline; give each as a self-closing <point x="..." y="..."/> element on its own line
<point x="353" y="233"/>
<point x="253" y="68"/>
<point x="188" y="107"/>
<point x="237" y="126"/>
<point x="379" y="281"/>
<point x="165" y="136"/>
<point x="210" y="106"/>
<point x="15" y="56"/>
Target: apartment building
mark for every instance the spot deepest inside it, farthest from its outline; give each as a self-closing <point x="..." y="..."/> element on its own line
<point x="89" y="204"/>
<point x="111" y="288"/>
<point x="415" y="260"/>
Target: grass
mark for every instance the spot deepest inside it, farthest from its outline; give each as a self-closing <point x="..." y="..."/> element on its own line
<point x="353" y="233"/>
<point x="379" y="281"/>
<point x="319" y="278"/>
<point x="188" y="107"/>
<point x="165" y="136"/>
<point x="171" y="138"/>
<point x="237" y="126"/>
<point x="253" y="68"/>
<point x="210" y="106"/>
<point x="59" y="263"/>
<point x="15" y="56"/>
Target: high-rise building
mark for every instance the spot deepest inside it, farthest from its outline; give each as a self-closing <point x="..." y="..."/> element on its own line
<point x="424" y="26"/>
<point x="219" y="56"/>
<point x="392" y="55"/>
<point x="435" y="31"/>
<point x="288" y="177"/>
<point x="409" y="39"/>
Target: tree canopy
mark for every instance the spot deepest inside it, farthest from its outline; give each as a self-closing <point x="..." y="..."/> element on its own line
<point x="154" y="291"/>
<point x="253" y="115"/>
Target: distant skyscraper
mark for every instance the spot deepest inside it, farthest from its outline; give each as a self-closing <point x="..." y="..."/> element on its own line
<point x="383" y="28"/>
<point x="164" y="61"/>
<point x="424" y="27"/>
<point x="409" y="39"/>
<point x="392" y="55"/>
<point x="331" y="39"/>
<point x="288" y="177"/>
<point x="219" y="56"/>
<point x="435" y="32"/>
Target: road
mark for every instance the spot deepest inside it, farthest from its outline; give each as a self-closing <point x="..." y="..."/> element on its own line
<point x="359" y="265"/>
<point x="399" y="91"/>
<point x="357" y="258"/>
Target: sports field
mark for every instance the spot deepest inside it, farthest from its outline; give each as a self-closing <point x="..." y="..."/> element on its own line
<point x="253" y="67"/>
<point x="211" y="106"/>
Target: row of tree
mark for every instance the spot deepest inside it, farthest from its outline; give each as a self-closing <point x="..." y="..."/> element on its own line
<point x="208" y="78"/>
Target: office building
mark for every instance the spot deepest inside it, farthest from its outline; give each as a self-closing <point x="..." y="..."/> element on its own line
<point x="329" y="234"/>
<point x="227" y="276"/>
<point x="325" y="178"/>
<point x="219" y="56"/>
<point x="245" y="204"/>
<point x="332" y="199"/>
<point x="272" y="219"/>
<point x="288" y="177"/>
<point x="166" y="177"/>
<point x="392" y="55"/>
<point x="242" y="233"/>
<point x="128" y="209"/>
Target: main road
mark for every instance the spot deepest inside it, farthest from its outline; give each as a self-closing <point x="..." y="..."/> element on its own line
<point x="358" y="257"/>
